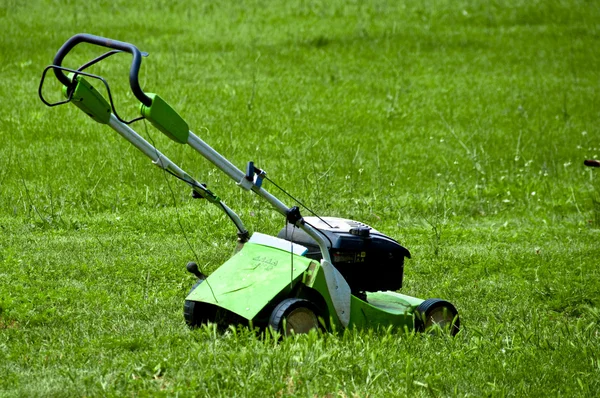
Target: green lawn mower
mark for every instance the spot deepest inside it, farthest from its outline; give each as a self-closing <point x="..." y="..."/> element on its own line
<point x="317" y="273"/>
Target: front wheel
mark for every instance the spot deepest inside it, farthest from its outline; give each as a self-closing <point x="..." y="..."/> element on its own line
<point x="294" y="315"/>
<point x="436" y="313"/>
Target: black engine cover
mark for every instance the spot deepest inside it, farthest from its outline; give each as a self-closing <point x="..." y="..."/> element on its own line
<point x="369" y="260"/>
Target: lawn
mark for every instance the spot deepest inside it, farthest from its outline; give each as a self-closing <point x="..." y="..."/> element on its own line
<point x="457" y="127"/>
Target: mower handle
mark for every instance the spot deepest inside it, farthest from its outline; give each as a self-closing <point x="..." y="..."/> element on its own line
<point x="108" y="43"/>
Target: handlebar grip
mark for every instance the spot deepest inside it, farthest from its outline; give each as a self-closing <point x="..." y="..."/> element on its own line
<point x="109" y="43"/>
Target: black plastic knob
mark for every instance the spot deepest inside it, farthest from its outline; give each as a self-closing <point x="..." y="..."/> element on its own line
<point x="363" y="232"/>
<point x="192" y="268"/>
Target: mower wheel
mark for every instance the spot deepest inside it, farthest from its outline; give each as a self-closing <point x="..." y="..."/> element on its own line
<point x="432" y="312"/>
<point x="294" y="315"/>
<point x="192" y="311"/>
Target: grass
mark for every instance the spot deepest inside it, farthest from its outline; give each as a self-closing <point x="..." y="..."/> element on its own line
<point x="457" y="127"/>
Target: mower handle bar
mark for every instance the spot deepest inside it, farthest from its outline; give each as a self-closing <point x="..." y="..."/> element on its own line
<point x="108" y="43"/>
<point x="196" y="143"/>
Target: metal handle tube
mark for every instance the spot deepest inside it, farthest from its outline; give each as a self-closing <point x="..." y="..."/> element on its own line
<point x="108" y="43"/>
<point x="233" y="172"/>
<point x="215" y="157"/>
<point x="282" y="208"/>
<point x="165" y="163"/>
<point x="237" y="175"/>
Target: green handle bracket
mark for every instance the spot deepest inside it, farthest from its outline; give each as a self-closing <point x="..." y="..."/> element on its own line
<point x="89" y="100"/>
<point x="164" y="118"/>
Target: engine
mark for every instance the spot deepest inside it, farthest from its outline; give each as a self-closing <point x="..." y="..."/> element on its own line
<point x="369" y="260"/>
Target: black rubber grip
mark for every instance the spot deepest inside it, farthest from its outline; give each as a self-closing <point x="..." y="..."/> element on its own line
<point x="108" y="43"/>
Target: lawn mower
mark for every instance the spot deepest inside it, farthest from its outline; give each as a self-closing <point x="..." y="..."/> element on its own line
<point x="323" y="273"/>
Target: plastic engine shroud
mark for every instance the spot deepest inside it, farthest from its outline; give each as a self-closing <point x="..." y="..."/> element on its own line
<point x="369" y="260"/>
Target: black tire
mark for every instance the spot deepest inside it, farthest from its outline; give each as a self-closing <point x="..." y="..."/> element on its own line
<point x="433" y="312"/>
<point x="294" y="315"/>
<point x="192" y="310"/>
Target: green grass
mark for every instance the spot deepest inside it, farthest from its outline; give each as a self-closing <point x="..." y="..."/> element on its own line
<point x="457" y="127"/>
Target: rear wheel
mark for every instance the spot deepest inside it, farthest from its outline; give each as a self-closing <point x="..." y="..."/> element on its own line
<point x="192" y="310"/>
<point x="294" y="316"/>
<point x="436" y="313"/>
